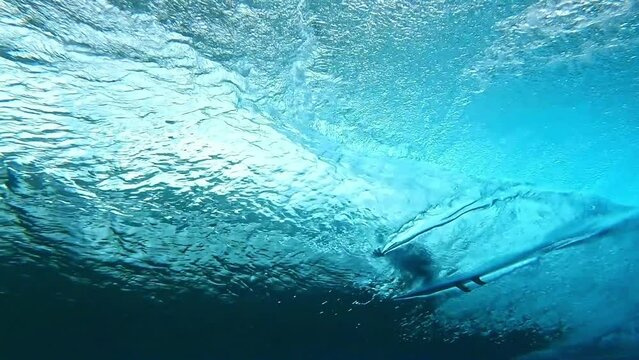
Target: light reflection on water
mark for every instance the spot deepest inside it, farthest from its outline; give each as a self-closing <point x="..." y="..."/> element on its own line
<point x="265" y="151"/>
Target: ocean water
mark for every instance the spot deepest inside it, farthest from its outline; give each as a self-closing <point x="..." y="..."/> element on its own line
<point x="202" y="179"/>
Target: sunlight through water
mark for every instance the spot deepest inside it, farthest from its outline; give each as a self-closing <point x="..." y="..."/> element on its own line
<point x="319" y="161"/>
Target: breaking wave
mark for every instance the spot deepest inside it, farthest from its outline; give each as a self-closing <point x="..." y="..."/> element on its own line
<point x="320" y="161"/>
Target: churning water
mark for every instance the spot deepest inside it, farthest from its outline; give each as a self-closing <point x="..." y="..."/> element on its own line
<point x="204" y="179"/>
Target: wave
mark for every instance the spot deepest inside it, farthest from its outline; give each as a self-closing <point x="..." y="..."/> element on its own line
<point x="582" y="249"/>
<point x="140" y="152"/>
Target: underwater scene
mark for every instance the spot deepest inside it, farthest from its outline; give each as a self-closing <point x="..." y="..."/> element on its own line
<point x="319" y="179"/>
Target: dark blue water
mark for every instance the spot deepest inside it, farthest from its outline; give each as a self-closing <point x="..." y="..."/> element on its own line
<point x="321" y="180"/>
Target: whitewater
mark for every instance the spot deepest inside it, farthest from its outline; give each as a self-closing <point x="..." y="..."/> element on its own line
<point x="411" y="177"/>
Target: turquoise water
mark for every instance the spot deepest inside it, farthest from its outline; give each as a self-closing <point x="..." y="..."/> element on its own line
<point x="266" y="180"/>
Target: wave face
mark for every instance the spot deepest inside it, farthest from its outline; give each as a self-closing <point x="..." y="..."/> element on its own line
<point x="223" y="179"/>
